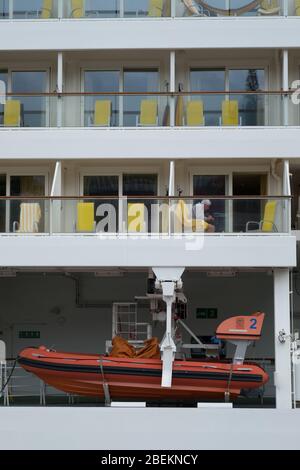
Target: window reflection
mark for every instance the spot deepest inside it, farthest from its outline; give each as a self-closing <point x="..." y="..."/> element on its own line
<point x="4" y="8"/>
<point x="33" y="108"/>
<point x="251" y="107"/>
<point x="102" y="82"/>
<point x="138" y="81"/>
<point x="28" y="8"/>
<point x="102" y="8"/>
<point x="209" y="80"/>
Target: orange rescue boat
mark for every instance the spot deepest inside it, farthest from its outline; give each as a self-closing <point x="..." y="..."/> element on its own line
<point x="139" y="378"/>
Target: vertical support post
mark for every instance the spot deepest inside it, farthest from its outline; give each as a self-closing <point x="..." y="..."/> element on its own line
<point x="173" y="8"/>
<point x="286" y="189"/>
<point x="59" y="87"/>
<point x="172" y="86"/>
<point x="10" y="9"/>
<point x="55" y="225"/>
<point x="285" y="85"/>
<point x="283" y="370"/>
<point x="60" y="9"/>
<point x="171" y="192"/>
<point x="121" y="8"/>
<point x="284" y="8"/>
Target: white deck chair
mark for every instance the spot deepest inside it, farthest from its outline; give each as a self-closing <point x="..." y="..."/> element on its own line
<point x="30" y="216"/>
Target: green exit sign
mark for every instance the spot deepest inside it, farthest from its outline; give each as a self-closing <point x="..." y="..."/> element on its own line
<point x="29" y="334"/>
<point x="206" y="313"/>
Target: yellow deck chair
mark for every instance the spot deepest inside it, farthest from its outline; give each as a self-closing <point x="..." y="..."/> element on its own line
<point x="267" y="224"/>
<point x="136" y="217"/>
<point x="183" y="221"/>
<point x="46" y="9"/>
<point x="102" y="113"/>
<point x="85" y="217"/>
<point x="297" y="7"/>
<point x="230" y="113"/>
<point x="269" y="7"/>
<point x="156" y="8"/>
<point x="12" y="113"/>
<point x="148" y="113"/>
<point x="30" y="216"/>
<point x="194" y="113"/>
<point x="77" y="9"/>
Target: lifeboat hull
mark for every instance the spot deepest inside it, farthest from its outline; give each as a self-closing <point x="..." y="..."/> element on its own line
<point x="139" y="379"/>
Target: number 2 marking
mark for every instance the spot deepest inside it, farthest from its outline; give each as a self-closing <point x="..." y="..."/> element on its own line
<point x="253" y="325"/>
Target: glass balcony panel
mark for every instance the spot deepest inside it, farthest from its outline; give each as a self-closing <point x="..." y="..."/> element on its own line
<point x="231" y="109"/>
<point x="102" y="8"/>
<point x="109" y="110"/>
<point x="155" y="216"/>
<point x="45" y="9"/>
<point x="215" y="8"/>
<point x="27" y="9"/>
<point x="164" y="216"/>
<point x="24" y="216"/>
<point x="4" y="9"/>
<point x="34" y="107"/>
<point x="98" y="81"/>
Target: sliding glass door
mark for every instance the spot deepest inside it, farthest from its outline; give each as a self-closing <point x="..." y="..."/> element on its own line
<point x="246" y="210"/>
<point x="142" y="185"/>
<point x="34" y="108"/>
<point x="212" y="185"/>
<point x="252" y="107"/>
<point x="115" y="212"/>
<point x="101" y="81"/>
<point x="211" y="81"/>
<point x="106" y="209"/>
<point x="138" y="81"/>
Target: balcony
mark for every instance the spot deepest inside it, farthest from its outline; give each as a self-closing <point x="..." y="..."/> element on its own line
<point x="51" y="25"/>
<point x="149" y="110"/>
<point x="145" y="231"/>
<point x="153" y="125"/>
<point x="147" y="9"/>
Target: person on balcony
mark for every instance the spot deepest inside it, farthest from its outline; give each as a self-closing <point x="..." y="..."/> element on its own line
<point x="203" y="210"/>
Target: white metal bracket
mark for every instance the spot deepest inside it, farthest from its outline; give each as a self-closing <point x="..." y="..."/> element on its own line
<point x="169" y="278"/>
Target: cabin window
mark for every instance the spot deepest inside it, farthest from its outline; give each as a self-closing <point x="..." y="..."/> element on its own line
<point x="215" y="81"/>
<point x="101" y="81"/>
<point x="246" y="210"/>
<point x="33" y="107"/>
